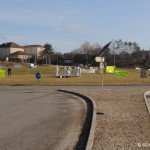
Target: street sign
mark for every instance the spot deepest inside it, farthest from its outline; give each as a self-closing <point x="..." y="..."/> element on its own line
<point x="99" y="59"/>
<point x="38" y="75"/>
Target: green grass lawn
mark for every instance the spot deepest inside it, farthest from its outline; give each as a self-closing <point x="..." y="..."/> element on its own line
<point x="26" y="76"/>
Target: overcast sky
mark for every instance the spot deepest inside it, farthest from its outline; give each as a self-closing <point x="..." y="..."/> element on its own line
<point x="66" y="24"/>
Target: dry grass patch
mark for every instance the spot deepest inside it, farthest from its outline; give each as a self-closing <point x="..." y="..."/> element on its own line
<point x="26" y="76"/>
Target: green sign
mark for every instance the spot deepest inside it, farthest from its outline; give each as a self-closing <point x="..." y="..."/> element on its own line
<point x="121" y="73"/>
<point x="2" y="73"/>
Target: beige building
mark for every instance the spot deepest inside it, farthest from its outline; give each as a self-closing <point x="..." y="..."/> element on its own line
<point x="34" y="50"/>
<point x="8" y="48"/>
<point x="15" y="51"/>
<point x="19" y="56"/>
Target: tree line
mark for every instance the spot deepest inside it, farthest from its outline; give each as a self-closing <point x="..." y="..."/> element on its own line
<point x="120" y="53"/>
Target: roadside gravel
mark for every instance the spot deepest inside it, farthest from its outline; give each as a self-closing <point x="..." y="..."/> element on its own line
<point x="122" y="121"/>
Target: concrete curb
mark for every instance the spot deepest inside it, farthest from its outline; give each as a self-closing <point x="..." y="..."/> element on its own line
<point x="93" y="126"/>
<point x="147" y="101"/>
<point x="93" y="121"/>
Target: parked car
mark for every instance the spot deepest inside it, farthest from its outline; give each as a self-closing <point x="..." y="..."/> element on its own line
<point x="31" y="65"/>
<point x="138" y="68"/>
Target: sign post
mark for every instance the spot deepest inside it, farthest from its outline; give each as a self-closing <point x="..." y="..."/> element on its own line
<point x="38" y="76"/>
<point x="101" y="65"/>
<point x="101" y="61"/>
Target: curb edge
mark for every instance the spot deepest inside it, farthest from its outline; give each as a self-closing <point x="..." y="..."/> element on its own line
<point x="93" y="123"/>
<point x="146" y="101"/>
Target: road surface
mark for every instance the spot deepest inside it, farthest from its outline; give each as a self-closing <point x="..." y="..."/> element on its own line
<point x="39" y="118"/>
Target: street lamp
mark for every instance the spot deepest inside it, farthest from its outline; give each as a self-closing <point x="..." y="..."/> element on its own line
<point x="27" y="50"/>
<point x="114" y="47"/>
<point x="57" y="58"/>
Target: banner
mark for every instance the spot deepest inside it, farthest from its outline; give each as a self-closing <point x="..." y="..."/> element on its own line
<point x="121" y="73"/>
<point x="2" y="73"/>
<point x="110" y="69"/>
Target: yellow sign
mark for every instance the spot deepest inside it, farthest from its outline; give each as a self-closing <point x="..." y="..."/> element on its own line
<point x="110" y="69"/>
<point x="2" y="73"/>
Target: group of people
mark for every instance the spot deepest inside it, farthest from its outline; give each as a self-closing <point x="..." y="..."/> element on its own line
<point x="67" y="72"/>
<point x="61" y="74"/>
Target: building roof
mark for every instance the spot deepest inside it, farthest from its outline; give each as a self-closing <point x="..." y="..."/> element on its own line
<point x="19" y="53"/>
<point x="33" y="46"/>
<point x="10" y="44"/>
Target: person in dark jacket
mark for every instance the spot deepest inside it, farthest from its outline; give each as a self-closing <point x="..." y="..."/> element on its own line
<point x="9" y="71"/>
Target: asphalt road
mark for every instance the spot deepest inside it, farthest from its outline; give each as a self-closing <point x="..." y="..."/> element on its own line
<point x="39" y="118"/>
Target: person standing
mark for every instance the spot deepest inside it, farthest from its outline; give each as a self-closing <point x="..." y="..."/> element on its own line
<point x="9" y="71"/>
<point x="57" y="71"/>
<point x="68" y="72"/>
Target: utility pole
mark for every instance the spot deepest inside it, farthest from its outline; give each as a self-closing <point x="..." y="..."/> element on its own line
<point x="114" y="55"/>
<point x="35" y="59"/>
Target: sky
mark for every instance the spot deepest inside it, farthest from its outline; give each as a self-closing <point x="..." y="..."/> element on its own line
<point x="67" y="24"/>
